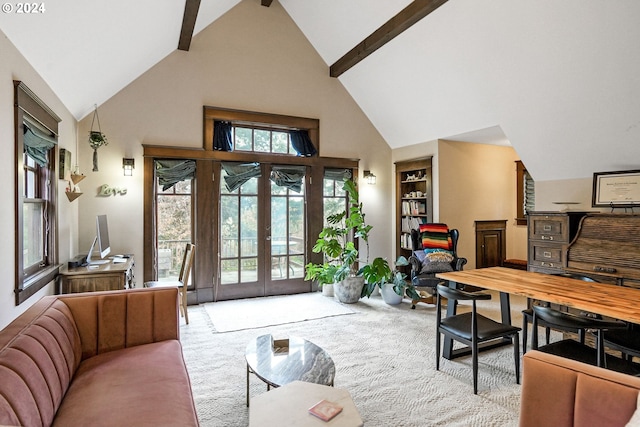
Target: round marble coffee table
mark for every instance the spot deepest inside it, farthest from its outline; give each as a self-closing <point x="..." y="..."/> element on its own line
<point x="279" y="362"/>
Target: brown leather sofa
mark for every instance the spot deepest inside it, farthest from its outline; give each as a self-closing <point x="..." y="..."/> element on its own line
<point x="96" y="359"/>
<point x="562" y="392"/>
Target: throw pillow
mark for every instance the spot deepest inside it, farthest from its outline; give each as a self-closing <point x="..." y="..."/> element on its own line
<point x="437" y="262"/>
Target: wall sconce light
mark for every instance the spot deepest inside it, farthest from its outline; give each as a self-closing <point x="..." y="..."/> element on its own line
<point x="127" y="166"/>
<point x="369" y="178"/>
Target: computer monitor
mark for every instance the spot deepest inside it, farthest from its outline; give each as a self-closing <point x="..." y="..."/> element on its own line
<point x="102" y="239"/>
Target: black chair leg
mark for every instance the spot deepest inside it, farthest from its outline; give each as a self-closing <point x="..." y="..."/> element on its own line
<point x="525" y="326"/>
<point x="474" y="350"/>
<point x="438" y="351"/>
<point x="516" y="355"/>
<point x="547" y="334"/>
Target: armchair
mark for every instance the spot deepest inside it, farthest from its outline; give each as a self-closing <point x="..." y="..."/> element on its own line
<point x="426" y="282"/>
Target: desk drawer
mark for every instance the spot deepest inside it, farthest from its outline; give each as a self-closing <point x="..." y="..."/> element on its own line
<point x="549" y="228"/>
<point x="547" y="255"/>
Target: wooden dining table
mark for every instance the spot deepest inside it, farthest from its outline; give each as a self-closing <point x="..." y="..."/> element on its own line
<point x="618" y="302"/>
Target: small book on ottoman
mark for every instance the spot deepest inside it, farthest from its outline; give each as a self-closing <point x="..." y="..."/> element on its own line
<point x="325" y="410"/>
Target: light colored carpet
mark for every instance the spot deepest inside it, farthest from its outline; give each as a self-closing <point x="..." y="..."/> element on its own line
<point x="252" y="313"/>
<point x="384" y="356"/>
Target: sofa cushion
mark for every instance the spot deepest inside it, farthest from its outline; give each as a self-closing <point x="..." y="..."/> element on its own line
<point x="107" y="389"/>
<point x="435" y="236"/>
<point x="437" y="262"/>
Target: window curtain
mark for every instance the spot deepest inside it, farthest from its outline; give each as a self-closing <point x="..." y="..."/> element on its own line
<point x="302" y="143"/>
<point x="239" y="173"/>
<point x="337" y="174"/>
<point x="37" y="143"/>
<point x="170" y="172"/>
<point x="222" y="136"/>
<point x="288" y="176"/>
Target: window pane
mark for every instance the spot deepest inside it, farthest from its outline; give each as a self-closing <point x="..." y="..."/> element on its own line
<point x="30" y="184"/>
<point x="249" y="271"/>
<point x="229" y="271"/>
<point x="280" y="142"/>
<point x="262" y="141"/>
<point x="296" y="266"/>
<point x="229" y="226"/>
<point x="243" y="139"/>
<point x="249" y="225"/>
<point x="174" y="232"/>
<point x="32" y="234"/>
<point x="183" y="187"/>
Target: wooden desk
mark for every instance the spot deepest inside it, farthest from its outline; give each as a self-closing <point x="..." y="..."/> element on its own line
<point x="103" y="277"/>
<point x="619" y="302"/>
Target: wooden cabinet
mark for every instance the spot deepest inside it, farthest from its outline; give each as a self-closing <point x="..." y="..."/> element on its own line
<point x="491" y="243"/>
<point x="413" y="201"/>
<point x="549" y="235"/>
<point x="104" y="277"/>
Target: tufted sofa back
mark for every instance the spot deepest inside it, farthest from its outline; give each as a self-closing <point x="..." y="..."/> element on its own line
<point x="41" y="350"/>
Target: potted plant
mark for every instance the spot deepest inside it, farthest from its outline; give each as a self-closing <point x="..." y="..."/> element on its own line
<point x="324" y="275"/>
<point x="336" y="242"/>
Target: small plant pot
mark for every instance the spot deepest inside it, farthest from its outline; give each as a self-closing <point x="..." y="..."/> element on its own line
<point x="327" y="290"/>
<point x="389" y="295"/>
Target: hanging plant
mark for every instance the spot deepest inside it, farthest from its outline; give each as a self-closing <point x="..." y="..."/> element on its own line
<point x="96" y="139"/>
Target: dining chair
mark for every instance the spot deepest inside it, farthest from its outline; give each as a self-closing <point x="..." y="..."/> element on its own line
<point x="472" y="328"/>
<point x="183" y="280"/>
<point x="568" y="347"/>
<point x="527" y="317"/>
<point x="626" y="341"/>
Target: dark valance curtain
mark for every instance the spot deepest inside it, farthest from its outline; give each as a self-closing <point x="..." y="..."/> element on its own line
<point x="302" y="143"/>
<point x="288" y="176"/>
<point x="37" y="143"/>
<point x="170" y="172"/>
<point x="222" y="136"/>
<point x="239" y="173"/>
<point x="337" y="174"/>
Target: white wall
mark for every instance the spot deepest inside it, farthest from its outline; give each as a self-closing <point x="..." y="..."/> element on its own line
<point x="13" y="66"/>
<point x="253" y="58"/>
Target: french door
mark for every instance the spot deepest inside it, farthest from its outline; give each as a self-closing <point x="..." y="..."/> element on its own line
<point x="262" y="226"/>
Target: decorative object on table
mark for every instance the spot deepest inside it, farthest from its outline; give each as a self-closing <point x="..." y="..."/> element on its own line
<point x="96" y="138"/>
<point x="325" y="409"/>
<point x="335" y="241"/>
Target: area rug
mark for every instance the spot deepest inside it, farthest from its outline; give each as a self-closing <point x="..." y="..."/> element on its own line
<point x="384" y="356"/>
<point x="251" y="313"/>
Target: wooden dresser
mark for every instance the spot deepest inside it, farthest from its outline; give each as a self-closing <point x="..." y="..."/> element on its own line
<point x="549" y="234"/>
<point x="104" y="277"/>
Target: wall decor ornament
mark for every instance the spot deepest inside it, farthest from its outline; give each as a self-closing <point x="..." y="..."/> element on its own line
<point x="96" y="138"/>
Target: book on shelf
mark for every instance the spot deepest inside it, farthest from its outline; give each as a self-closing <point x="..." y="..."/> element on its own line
<point x="325" y="409"/>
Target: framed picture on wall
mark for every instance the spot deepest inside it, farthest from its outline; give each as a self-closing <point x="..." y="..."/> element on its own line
<point x="616" y="189"/>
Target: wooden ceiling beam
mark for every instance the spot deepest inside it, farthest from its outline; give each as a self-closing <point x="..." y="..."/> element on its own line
<point x="188" y="23"/>
<point x="266" y="3"/>
<point x="408" y="16"/>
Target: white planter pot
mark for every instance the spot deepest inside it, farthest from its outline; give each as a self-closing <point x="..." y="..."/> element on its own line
<point x="389" y="295"/>
<point x="349" y="290"/>
<point x="327" y="290"/>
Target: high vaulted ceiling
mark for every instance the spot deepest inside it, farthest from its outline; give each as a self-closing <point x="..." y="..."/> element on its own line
<point x="558" y="80"/>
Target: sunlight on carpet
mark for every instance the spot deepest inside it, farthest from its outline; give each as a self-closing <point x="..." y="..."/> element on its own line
<point x="252" y="313"/>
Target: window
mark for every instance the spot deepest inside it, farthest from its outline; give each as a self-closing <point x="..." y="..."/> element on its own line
<point x="36" y="133"/>
<point x="525" y="194"/>
<point x="262" y="140"/>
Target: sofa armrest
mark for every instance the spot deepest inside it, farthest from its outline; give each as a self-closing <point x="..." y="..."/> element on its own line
<point x="113" y="320"/>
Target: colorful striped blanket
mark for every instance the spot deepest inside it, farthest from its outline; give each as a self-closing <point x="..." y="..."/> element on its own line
<point x="435" y="236"/>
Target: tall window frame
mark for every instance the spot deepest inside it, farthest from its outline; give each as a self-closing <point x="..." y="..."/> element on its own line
<point x="35" y="186"/>
<point x="525" y="193"/>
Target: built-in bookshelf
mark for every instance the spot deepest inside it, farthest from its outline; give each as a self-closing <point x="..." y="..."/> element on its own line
<point x="414" y="200"/>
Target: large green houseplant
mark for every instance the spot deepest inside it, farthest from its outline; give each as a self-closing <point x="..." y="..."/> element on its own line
<point x="336" y="242"/>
